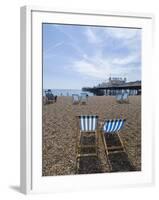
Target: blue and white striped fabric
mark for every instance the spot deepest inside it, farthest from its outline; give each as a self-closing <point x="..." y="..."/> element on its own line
<point x="125" y="96"/>
<point x="88" y="123"/>
<point x="83" y="98"/>
<point x="113" y="126"/>
<point x="119" y="97"/>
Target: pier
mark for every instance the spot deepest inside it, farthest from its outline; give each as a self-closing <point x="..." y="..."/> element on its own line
<point x="133" y="88"/>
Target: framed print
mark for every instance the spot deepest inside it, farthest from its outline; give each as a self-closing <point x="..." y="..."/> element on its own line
<point x="86" y="117"/>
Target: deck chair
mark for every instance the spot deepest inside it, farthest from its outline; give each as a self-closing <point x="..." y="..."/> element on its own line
<point x="87" y="140"/>
<point x="84" y="98"/>
<point x="111" y="138"/>
<point x="125" y="97"/>
<point x="50" y="98"/>
<point x="75" y="99"/>
<point x="119" y="98"/>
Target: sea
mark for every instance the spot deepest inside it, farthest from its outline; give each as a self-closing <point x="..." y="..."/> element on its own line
<point x="67" y="92"/>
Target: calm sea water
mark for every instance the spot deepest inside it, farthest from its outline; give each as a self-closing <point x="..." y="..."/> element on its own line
<point x="67" y="92"/>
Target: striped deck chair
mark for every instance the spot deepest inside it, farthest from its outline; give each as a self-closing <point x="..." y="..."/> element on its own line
<point x="75" y="99"/>
<point x="87" y="140"/>
<point x="119" y="98"/>
<point x="111" y="139"/>
<point x="116" y="154"/>
<point x="125" y="97"/>
<point x="84" y="98"/>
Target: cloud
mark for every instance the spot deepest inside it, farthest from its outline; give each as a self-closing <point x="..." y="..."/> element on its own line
<point x="53" y="46"/>
<point x="105" y="60"/>
<point x="122" y="33"/>
<point x="96" y="68"/>
<point x="89" y="69"/>
<point x="101" y="67"/>
<point x="130" y="59"/>
<point x="72" y="41"/>
<point x="127" y="38"/>
<point x="92" y="36"/>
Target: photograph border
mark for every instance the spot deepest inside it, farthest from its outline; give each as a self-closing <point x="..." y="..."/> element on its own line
<point x="31" y="182"/>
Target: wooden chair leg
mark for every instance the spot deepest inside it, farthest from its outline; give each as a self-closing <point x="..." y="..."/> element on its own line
<point x="121" y="142"/>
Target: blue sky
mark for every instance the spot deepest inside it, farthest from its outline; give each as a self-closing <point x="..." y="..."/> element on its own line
<point x="76" y="56"/>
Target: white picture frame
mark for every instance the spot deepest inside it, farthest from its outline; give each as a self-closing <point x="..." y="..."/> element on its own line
<point x="31" y="101"/>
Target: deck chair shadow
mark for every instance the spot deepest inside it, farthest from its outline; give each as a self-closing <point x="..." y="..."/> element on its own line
<point x="87" y="137"/>
<point x="75" y="99"/>
<point x="84" y="98"/>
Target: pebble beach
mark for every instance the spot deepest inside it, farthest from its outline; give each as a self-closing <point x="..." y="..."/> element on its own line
<point x="60" y="129"/>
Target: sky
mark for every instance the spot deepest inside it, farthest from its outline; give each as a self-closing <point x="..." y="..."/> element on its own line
<point x="75" y="56"/>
